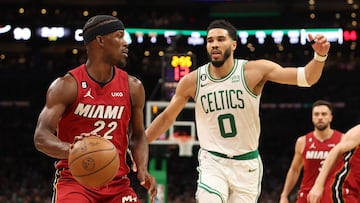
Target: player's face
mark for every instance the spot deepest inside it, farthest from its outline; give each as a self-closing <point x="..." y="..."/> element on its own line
<point x="321" y="117"/>
<point x="220" y="46"/>
<point x="116" y="48"/>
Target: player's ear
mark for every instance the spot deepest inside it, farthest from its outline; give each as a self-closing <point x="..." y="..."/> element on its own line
<point x="234" y="44"/>
<point x="100" y="40"/>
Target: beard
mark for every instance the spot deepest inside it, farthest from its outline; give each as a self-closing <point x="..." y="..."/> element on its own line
<point x="219" y="63"/>
<point x="321" y="127"/>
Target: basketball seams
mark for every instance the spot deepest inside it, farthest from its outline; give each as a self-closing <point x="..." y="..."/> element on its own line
<point x="93" y="161"/>
<point x="93" y="172"/>
<point x="110" y="177"/>
<point x="87" y="153"/>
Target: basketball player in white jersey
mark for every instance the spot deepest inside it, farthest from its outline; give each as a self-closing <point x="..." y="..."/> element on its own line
<point x="227" y="95"/>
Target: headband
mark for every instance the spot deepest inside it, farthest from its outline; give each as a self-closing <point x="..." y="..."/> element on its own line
<point x="104" y="29"/>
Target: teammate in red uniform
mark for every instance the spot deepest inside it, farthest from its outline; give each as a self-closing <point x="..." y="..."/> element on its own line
<point x="339" y="178"/>
<point x="98" y="98"/>
<point x="310" y="152"/>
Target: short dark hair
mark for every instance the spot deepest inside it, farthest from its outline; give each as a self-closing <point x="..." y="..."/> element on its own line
<point x="323" y="102"/>
<point x="224" y="24"/>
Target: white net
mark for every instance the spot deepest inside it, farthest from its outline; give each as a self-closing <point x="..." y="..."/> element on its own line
<point x="185" y="145"/>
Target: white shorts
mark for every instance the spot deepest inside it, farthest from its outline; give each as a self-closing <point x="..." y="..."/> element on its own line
<point x="225" y="180"/>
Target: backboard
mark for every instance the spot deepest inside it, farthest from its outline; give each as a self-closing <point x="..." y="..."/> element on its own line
<point x="183" y="126"/>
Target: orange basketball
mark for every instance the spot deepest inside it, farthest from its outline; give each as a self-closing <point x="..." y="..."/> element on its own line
<point x="93" y="161"/>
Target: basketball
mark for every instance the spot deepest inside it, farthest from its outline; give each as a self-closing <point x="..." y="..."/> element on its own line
<point x="93" y="161"/>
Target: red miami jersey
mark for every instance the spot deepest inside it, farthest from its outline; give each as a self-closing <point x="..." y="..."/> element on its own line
<point x="104" y="109"/>
<point x="314" y="154"/>
<point x="344" y="184"/>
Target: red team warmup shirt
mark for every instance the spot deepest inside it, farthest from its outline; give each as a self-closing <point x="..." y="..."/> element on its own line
<point x="314" y="154"/>
<point x="107" y="111"/>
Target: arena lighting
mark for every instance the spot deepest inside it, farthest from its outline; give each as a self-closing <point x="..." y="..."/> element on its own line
<point x="79" y="38"/>
<point x="53" y="33"/>
<point x="5" y="29"/>
<point x="22" y="33"/>
<point x="331" y="34"/>
<point x="350" y="35"/>
<point x="168" y="35"/>
<point x="197" y="37"/>
<point x="294" y="35"/>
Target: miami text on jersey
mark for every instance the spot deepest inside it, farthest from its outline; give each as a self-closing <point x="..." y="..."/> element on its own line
<point x="99" y="111"/>
<point x="316" y="154"/>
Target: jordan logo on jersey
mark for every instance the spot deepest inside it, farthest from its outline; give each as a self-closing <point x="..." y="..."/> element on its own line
<point x="312" y="146"/>
<point x="88" y="94"/>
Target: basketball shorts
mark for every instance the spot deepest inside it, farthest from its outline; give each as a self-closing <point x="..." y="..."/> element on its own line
<point x="68" y="190"/>
<point x="227" y="180"/>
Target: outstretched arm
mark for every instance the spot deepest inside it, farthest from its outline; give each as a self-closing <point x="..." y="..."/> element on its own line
<point x="184" y="91"/>
<point x="301" y="76"/>
<point x="314" y="68"/>
<point x="349" y="141"/>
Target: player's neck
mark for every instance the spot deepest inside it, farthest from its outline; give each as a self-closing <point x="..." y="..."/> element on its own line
<point x="323" y="135"/>
<point x="100" y="73"/>
<point x="223" y="71"/>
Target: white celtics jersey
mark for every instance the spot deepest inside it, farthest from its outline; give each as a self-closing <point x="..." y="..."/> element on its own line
<point x="226" y="112"/>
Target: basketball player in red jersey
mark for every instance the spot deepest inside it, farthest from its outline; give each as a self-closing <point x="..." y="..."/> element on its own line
<point x="98" y="98"/>
<point x="310" y="152"/>
<point x="339" y="178"/>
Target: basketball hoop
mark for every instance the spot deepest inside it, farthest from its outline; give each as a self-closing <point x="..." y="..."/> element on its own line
<point x="185" y="143"/>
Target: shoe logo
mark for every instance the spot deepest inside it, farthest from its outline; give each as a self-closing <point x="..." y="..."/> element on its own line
<point x="252" y="170"/>
<point x="88" y="94"/>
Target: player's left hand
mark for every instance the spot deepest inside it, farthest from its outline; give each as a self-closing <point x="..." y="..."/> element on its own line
<point x="148" y="182"/>
<point x="320" y="44"/>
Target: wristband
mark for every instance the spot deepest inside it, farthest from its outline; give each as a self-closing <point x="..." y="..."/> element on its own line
<point x="301" y="77"/>
<point x="319" y="58"/>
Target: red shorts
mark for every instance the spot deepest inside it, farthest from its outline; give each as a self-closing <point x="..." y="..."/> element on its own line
<point x="302" y="197"/>
<point x="67" y="189"/>
<point x="346" y="195"/>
